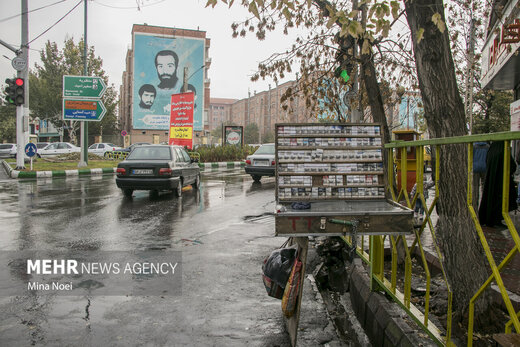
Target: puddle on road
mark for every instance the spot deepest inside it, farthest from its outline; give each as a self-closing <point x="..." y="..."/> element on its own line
<point x="264" y="218"/>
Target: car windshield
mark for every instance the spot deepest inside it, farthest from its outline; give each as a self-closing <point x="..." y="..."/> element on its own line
<point x="41" y="145"/>
<point x="146" y="152"/>
<point x="111" y="145"/>
<point x="265" y="149"/>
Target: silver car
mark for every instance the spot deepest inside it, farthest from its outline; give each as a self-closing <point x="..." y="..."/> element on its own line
<point x="58" y="148"/>
<point x="8" y="150"/>
<point x="101" y="149"/>
<point x="261" y="163"/>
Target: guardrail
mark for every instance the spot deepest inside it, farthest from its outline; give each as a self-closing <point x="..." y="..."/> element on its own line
<point x="195" y="156"/>
<point x="116" y="155"/>
<point x="373" y="253"/>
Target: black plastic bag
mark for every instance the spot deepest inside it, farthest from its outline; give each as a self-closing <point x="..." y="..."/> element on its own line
<point x="279" y="264"/>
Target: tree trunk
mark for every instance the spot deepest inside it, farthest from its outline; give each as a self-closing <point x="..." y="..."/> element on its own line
<point x="375" y="100"/>
<point x="444" y="111"/>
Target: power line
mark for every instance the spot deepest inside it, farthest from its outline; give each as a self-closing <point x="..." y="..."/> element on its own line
<point x="138" y="7"/>
<point x="59" y="20"/>
<point x="36" y="9"/>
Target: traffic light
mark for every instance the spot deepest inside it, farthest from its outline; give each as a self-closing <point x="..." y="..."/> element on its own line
<point x="343" y="73"/>
<point x="15" y="91"/>
<point x="19" y="92"/>
<point x="9" y="91"/>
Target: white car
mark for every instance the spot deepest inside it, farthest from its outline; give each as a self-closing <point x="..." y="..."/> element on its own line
<point x="58" y="148"/>
<point x="261" y="163"/>
<point x="8" y="150"/>
<point x="102" y="148"/>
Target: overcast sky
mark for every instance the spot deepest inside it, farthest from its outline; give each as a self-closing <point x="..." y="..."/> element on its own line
<point x="109" y="31"/>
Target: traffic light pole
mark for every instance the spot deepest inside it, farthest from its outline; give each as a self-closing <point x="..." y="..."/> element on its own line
<point x="20" y="139"/>
<point x="22" y="111"/>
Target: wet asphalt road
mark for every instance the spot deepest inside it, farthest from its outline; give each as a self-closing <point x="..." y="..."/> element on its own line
<point x="224" y="231"/>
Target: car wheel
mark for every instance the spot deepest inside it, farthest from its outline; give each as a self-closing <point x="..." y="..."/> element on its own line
<point x="154" y="193"/>
<point x="196" y="185"/>
<point x="256" y="178"/>
<point x="178" y="190"/>
<point x="128" y="192"/>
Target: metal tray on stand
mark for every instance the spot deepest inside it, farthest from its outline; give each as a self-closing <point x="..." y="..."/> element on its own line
<point x="372" y="217"/>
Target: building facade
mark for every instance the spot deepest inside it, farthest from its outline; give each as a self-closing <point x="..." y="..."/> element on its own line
<point x="160" y="62"/>
<point x="500" y="55"/>
<point x="263" y="109"/>
<point x="219" y="112"/>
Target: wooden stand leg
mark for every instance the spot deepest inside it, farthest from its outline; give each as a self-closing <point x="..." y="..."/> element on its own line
<point x="292" y="322"/>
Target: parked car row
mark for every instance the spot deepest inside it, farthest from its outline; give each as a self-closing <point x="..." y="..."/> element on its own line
<point x="48" y="149"/>
<point x="44" y="149"/>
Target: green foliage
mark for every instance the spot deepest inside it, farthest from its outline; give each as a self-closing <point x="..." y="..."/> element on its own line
<point x="224" y="153"/>
<point x="217" y="132"/>
<point x="46" y="84"/>
<point x="7" y="123"/>
<point x="268" y="137"/>
<point x="251" y="133"/>
<point x="493" y="115"/>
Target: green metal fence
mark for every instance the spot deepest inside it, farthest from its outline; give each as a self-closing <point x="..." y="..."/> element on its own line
<point x="373" y="253"/>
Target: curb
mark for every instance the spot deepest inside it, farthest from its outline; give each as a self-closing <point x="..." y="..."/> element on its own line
<point x="57" y="174"/>
<point x="12" y="173"/>
<point x="382" y="320"/>
<point x="221" y="165"/>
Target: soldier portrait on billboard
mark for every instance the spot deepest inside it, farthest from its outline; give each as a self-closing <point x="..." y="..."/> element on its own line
<point x="147" y="94"/>
<point x="159" y="61"/>
<point x="191" y="88"/>
<point x="166" y="63"/>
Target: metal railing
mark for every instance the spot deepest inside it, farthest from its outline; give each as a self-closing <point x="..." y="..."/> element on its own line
<point x="373" y="253"/>
<point x="116" y="155"/>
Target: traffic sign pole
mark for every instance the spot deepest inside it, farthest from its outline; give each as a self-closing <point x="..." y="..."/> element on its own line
<point x="30" y="151"/>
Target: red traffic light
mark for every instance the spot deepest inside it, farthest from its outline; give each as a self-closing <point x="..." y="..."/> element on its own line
<point x="19" y="82"/>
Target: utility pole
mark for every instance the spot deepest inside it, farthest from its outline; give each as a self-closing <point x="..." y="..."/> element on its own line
<point x="248" y="99"/>
<point x="269" y="109"/>
<point x="468" y="103"/>
<point x="408" y="112"/>
<point x="83" y="161"/>
<point x="185" y="81"/>
<point x="356" y="113"/>
<point x="22" y="112"/>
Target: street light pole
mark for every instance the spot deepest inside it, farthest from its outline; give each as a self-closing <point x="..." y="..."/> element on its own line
<point x="83" y="161"/>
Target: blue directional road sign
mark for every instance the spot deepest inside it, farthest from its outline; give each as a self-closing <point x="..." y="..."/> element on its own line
<point x="83" y="109"/>
<point x="30" y="149"/>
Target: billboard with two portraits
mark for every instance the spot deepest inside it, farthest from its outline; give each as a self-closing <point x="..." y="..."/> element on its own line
<point x="159" y="63"/>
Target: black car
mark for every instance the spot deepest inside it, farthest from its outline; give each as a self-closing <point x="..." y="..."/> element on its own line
<point x="156" y="168"/>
